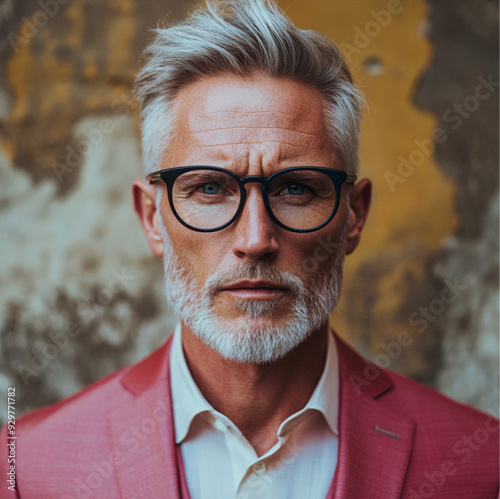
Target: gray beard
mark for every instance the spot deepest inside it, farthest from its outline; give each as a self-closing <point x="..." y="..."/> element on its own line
<point x="255" y="338"/>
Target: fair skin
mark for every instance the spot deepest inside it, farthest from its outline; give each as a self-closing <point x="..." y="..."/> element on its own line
<point x="252" y="126"/>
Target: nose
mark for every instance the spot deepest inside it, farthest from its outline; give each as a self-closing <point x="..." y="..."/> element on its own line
<point x="254" y="231"/>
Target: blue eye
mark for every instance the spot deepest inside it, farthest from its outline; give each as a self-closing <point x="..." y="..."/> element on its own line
<point x="210" y="188"/>
<point x="295" y="189"/>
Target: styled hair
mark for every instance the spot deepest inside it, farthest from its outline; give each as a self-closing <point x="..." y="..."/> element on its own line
<point x="240" y="37"/>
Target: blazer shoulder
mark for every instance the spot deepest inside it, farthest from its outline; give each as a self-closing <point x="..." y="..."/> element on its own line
<point x="426" y="403"/>
<point x="442" y="424"/>
<point x="89" y="404"/>
<point x="401" y="394"/>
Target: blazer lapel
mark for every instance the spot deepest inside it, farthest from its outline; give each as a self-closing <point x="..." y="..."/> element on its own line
<point x="375" y="441"/>
<point x="142" y="432"/>
<point x="374" y="448"/>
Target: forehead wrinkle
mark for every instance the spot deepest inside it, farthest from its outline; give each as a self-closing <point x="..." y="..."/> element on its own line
<point x="262" y="111"/>
<point x="234" y="150"/>
<point x="243" y="160"/>
<point x="258" y="135"/>
<point x="314" y="134"/>
<point x="231" y="123"/>
<point x="252" y="142"/>
<point x="295" y="121"/>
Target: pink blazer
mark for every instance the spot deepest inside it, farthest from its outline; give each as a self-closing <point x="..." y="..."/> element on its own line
<point x="115" y="439"/>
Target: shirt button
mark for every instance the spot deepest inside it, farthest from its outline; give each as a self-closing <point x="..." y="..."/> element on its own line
<point x="259" y="468"/>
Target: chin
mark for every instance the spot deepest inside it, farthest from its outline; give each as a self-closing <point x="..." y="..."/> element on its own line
<point x="255" y="337"/>
<point x="256" y="309"/>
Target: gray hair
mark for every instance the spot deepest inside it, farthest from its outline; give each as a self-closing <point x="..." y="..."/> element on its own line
<point x="240" y="37"/>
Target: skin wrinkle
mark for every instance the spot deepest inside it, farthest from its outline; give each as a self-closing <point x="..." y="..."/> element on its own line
<point x="250" y="112"/>
<point x="283" y="155"/>
<point x="192" y="127"/>
<point x="296" y="133"/>
<point x="259" y="127"/>
<point x="261" y="142"/>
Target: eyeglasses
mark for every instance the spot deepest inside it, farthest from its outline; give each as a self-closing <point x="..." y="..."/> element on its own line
<point x="298" y="199"/>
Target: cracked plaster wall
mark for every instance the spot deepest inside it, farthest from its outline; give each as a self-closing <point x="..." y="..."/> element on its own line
<point x="81" y="296"/>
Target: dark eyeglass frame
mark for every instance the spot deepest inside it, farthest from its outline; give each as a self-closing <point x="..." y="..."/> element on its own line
<point x="170" y="175"/>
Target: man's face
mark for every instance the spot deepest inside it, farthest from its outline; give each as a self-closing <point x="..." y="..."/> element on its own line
<point x="253" y="280"/>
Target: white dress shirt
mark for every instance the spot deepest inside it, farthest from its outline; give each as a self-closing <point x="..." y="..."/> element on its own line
<point x="220" y="463"/>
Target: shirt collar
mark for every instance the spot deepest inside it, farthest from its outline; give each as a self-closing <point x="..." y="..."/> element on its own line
<point x="325" y="398"/>
<point x="188" y="401"/>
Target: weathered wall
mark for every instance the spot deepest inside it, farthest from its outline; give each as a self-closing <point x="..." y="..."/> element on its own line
<point x="81" y="296"/>
<point x="460" y="88"/>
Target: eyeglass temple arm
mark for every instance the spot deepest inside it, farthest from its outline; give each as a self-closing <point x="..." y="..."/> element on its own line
<point x="351" y="178"/>
<point x="153" y="177"/>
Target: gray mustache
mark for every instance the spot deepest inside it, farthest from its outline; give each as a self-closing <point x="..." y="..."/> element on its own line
<point x="254" y="271"/>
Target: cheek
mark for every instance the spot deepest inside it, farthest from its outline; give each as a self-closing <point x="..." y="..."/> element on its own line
<point x="310" y="253"/>
<point x="299" y="254"/>
<point x="197" y="251"/>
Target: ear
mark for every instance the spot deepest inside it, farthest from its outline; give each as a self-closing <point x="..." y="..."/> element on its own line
<point x="144" y="201"/>
<point x="359" y="204"/>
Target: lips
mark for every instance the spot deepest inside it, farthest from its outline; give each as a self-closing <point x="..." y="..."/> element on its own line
<point x="263" y="290"/>
<point x="253" y="285"/>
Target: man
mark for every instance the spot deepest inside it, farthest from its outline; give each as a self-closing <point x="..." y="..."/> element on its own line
<point x="250" y="136"/>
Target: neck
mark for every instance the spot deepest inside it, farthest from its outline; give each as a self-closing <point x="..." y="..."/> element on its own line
<point x="257" y="398"/>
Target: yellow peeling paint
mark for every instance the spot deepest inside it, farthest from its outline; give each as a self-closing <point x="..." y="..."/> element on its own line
<point x="41" y="84"/>
<point x="411" y="222"/>
<point x="57" y="78"/>
<point x="121" y="34"/>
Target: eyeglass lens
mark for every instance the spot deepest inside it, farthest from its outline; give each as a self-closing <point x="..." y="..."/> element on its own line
<point x="301" y="199"/>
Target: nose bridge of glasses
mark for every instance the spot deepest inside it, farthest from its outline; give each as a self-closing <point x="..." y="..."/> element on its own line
<point x="251" y="179"/>
<point x="248" y="180"/>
